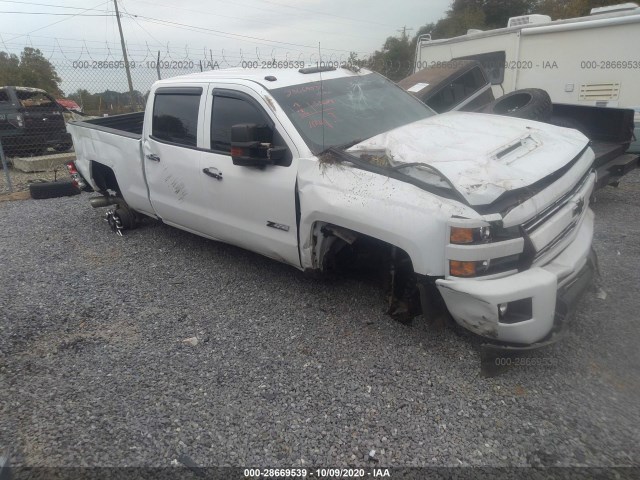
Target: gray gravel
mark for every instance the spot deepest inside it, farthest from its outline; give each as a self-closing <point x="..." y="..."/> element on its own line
<point x="287" y="370"/>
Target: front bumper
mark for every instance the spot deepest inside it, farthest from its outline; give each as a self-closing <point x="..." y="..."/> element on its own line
<point x="554" y="290"/>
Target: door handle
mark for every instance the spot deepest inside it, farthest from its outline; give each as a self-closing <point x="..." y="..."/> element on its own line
<point x="153" y="156"/>
<point x="213" y="172"/>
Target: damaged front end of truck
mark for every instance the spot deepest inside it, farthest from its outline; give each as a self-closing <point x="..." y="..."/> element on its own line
<point x="517" y="255"/>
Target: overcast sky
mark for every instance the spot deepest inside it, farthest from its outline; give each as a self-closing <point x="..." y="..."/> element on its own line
<point x="293" y="26"/>
<point x="228" y="31"/>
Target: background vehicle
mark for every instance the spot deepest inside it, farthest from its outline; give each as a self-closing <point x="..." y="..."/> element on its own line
<point x="485" y="217"/>
<point x="31" y="121"/>
<point x="464" y="85"/>
<point x="580" y="61"/>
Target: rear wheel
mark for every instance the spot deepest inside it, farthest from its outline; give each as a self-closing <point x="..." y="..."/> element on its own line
<point x="529" y="103"/>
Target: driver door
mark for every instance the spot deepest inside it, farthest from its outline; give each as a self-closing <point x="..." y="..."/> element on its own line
<point x="253" y="207"/>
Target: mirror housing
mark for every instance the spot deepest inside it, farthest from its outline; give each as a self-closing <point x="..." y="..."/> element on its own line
<point x="251" y="146"/>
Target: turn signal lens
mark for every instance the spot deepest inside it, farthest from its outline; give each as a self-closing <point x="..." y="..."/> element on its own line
<point x="461" y="235"/>
<point x="462" y="269"/>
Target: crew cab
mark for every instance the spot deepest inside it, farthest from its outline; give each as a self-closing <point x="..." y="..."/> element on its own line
<point x="481" y="216"/>
<point x="31" y="121"/>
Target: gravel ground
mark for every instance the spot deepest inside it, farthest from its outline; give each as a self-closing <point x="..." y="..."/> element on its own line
<point x="20" y="180"/>
<point x="287" y="370"/>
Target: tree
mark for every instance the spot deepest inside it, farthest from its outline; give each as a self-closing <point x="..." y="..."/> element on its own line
<point x="36" y="71"/>
<point x="9" y="69"/>
<point x="30" y="70"/>
<point x="395" y="60"/>
<point x="557" y="9"/>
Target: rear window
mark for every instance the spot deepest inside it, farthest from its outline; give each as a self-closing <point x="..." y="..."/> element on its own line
<point x="175" y="118"/>
<point x="34" y="100"/>
<point x="4" y="96"/>
<point x="492" y="62"/>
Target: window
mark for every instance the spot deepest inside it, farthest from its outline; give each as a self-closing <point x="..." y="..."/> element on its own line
<point x="4" y="96"/>
<point x="34" y="99"/>
<point x="457" y="91"/>
<point x="175" y="118"/>
<point x="228" y="111"/>
<point x="493" y="64"/>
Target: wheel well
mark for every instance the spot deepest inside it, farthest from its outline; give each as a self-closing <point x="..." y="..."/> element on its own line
<point x="342" y="250"/>
<point x="104" y="177"/>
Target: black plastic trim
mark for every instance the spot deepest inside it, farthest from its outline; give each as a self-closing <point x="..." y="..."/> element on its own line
<point x="179" y="91"/>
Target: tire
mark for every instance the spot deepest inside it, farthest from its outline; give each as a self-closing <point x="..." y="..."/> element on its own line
<point x="528" y="103"/>
<point x="63" y="147"/>
<point x="42" y="190"/>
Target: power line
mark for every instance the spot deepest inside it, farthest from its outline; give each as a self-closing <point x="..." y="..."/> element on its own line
<point x="44" y="5"/>
<point x="245" y="19"/>
<point x="232" y="35"/>
<point x="59" y="21"/>
<point x="59" y="14"/>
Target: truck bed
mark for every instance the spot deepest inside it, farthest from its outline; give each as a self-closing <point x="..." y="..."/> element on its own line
<point x="127" y="124"/>
<point x="115" y="142"/>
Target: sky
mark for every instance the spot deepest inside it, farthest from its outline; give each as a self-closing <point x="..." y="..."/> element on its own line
<point x="228" y="32"/>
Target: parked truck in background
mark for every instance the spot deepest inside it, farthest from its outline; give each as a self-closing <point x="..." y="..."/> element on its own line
<point x="31" y="121"/>
<point x="588" y="61"/>
<point x="484" y="217"/>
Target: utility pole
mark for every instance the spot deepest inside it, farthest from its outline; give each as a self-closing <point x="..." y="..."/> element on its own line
<point x="403" y="31"/>
<point x="124" y="54"/>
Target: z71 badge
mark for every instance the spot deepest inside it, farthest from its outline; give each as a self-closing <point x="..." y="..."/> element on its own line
<point x="279" y="226"/>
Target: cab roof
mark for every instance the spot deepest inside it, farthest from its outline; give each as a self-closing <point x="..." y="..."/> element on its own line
<point x="270" y="79"/>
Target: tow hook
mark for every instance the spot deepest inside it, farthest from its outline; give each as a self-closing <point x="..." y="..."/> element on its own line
<point x="114" y="221"/>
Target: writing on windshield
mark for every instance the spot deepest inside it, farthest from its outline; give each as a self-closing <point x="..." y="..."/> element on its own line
<point x="340" y="111"/>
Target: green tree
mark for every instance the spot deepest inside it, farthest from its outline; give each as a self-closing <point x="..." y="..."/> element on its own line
<point x="36" y="71"/>
<point x="395" y="60"/>
<point x="558" y="9"/>
<point x="9" y="69"/>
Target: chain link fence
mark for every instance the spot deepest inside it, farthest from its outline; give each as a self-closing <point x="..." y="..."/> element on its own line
<point x="33" y="132"/>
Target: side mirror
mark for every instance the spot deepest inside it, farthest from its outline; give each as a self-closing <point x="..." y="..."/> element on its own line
<point x="251" y="146"/>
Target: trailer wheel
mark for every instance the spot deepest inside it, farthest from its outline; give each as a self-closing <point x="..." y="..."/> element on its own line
<point x="41" y="190"/>
<point x="529" y="103"/>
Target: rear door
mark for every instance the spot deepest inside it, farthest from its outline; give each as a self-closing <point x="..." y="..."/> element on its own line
<point x="171" y="156"/>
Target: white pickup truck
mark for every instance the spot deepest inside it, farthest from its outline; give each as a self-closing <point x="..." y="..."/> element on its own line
<point x="483" y="216"/>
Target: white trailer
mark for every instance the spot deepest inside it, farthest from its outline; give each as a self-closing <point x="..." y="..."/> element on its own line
<point x="592" y="60"/>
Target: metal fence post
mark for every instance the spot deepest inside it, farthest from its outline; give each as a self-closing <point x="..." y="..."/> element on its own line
<point x="5" y="168"/>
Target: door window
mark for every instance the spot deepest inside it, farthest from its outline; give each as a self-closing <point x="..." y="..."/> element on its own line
<point x="175" y="118"/>
<point x="229" y="111"/>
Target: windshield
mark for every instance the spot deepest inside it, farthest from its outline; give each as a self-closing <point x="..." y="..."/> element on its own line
<point x="355" y="108"/>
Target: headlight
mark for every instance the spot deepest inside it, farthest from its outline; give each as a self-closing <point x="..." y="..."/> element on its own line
<point x="462" y="236"/>
<point x="478" y="235"/>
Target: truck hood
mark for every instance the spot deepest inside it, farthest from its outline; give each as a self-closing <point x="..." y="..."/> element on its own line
<point x="483" y="156"/>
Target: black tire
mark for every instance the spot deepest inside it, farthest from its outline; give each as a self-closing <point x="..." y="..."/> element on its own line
<point x="528" y="103"/>
<point x="42" y="190"/>
<point x="63" y="147"/>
